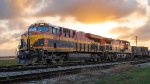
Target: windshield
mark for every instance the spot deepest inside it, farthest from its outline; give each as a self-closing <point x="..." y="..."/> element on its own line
<point x="41" y="29"/>
<point x="32" y="29"/>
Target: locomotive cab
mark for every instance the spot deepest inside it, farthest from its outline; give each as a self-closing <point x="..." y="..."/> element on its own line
<point x="33" y="42"/>
<point x="37" y="35"/>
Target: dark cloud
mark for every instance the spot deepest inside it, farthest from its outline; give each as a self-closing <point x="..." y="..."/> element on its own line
<point x="15" y="8"/>
<point x="89" y="11"/>
<point x="6" y="10"/>
<point x="9" y="10"/>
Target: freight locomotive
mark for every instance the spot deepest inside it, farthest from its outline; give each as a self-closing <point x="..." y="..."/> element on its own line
<point x="47" y="43"/>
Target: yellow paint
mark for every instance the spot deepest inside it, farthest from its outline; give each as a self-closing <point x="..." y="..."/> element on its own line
<point x="65" y="49"/>
<point x="34" y="38"/>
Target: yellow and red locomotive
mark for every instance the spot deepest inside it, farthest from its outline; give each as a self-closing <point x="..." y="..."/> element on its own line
<point x="46" y="43"/>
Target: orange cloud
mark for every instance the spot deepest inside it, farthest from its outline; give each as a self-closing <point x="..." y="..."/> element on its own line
<point x="23" y="5"/>
<point x="85" y="11"/>
<point x="89" y="11"/>
<point x="120" y="30"/>
<point x="130" y="33"/>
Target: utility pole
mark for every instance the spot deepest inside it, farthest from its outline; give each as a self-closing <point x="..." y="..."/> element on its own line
<point x="136" y="39"/>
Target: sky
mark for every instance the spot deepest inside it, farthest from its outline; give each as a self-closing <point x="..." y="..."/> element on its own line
<point x="119" y="19"/>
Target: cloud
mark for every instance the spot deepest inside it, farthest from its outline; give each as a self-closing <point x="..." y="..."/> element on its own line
<point x="85" y="11"/>
<point x="143" y="32"/>
<point x="3" y="40"/>
<point x="12" y="30"/>
<point x="120" y="30"/>
<point x="2" y="29"/>
<point x="10" y="9"/>
<point x="17" y="24"/>
<point x="5" y="10"/>
<point x="130" y="33"/>
<point x="89" y="11"/>
<point x="16" y="35"/>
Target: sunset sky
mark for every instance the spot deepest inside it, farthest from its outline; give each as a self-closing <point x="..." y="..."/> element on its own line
<point x="120" y="19"/>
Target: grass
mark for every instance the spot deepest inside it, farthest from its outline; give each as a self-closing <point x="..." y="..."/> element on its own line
<point x="133" y="76"/>
<point x="8" y="62"/>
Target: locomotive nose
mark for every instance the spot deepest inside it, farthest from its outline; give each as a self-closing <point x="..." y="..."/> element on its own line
<point x="29" y="56"/>
<point x="23" y="57"/>
<point x="34" y="32"/>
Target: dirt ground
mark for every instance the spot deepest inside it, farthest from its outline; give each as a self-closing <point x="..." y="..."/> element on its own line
<point x="85" y="77"/>
<point x="126" y="72"/>
<point x="91" y="76"/>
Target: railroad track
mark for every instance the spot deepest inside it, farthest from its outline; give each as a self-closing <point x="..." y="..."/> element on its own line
<point x="24" y="72"/>
<point x="44" y="66"/>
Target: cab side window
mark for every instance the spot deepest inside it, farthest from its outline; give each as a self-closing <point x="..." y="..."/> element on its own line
<point x="58" y="31"/>
<point x="55" y="31"/>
